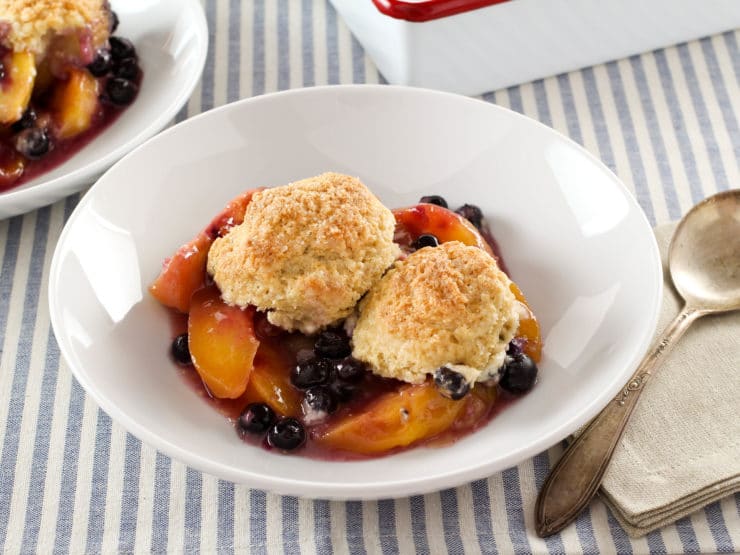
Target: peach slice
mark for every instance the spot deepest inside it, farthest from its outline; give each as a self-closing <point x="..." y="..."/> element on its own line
<point x="183" y="274"/>
<point x="12" y="166"/>
<point x="477" y="405"/>
<point x="185" y="271"/>
<point x="222" y="343"/>
<point x="395" y="419"/>
<point x="444" y="224"/>
<point x="529" y="328"/>
<point x="75" y="103"/>
<point x="231" y="215"/>
<point x="16" y="88"/>
<point x="270" y="382"/>
<point x="69" y="50"/>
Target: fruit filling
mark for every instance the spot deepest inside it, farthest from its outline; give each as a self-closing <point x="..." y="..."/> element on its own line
<point x="322" y="323"/>
<point x="64" y="77"/>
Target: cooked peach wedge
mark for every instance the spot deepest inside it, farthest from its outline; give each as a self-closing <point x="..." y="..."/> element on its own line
<point x="395" y="419"/>
<point x="185" y="272"/>
<point x="477" y="405"/>
<point x="529" y="327"/>
<point x="17" y="86"/>
<point x="269" y="382"/>
<point x="222" y="343"/>
<point x="12" y="166"/>
<point x="75" y="103"/>
<point x="444" y="224"/>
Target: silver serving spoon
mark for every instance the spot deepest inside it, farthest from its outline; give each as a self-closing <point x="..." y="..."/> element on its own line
<point x="704" y="262"/>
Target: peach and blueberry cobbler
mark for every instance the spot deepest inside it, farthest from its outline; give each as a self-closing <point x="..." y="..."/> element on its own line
<point x="315" y="318"/>
<point x="64" y="77"/>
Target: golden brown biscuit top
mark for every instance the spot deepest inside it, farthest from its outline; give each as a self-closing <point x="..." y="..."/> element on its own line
<point x="334" y="215"/>
<point x="442" y="305"/>
<point x="33" y="23"/>
<point x="306" y="251"/>
<point x="441" y="287"/>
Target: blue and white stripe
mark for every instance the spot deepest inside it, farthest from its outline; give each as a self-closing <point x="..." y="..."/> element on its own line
<point x="72" y="480"/>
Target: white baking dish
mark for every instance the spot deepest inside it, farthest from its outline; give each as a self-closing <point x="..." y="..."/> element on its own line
<point x="474" y="46"/>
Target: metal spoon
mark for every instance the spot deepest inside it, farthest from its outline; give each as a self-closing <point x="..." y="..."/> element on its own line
<point x="704" y="262"/>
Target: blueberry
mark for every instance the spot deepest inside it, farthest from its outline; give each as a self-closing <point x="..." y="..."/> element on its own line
<point x="33" y="143"/>
<point x="121" y="91"/>
<point x="451" y="384"/>
<point x="426" y="240"/>
<point x="349" y="369"/>
<point x="434" y="199"/>
<point x="286" y="434"/>
<point x="128" y="68"/>
<point x="113" y="22"/>
<point x="342" y="391"/>
<point x="471" y="213"/>
<point x="28" y="120"/>
<point x="314" y="371"/>
<point x="102" y="63"/>
<point x="304" y="355"/>
<point x="320" y="399"/>
<point x="519" y="374"/>
<point x="332" y="344"/>
<point x="181" y="350"/>
<point x="121" y="48"/>
<point x="255" y="419"/>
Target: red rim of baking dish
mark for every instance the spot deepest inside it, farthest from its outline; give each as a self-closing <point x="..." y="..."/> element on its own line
<point x="424" y="10"/>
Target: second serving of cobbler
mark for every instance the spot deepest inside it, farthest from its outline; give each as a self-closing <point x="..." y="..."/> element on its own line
<point x="64" y="76"/>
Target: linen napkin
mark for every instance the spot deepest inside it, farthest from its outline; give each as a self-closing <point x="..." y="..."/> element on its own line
<point x="681" y="449"/>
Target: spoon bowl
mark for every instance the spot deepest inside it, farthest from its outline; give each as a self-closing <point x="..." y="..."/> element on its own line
<point x="704" y="256"/>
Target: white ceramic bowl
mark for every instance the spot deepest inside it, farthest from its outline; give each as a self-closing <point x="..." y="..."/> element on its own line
<point x="573" y="237"/>
<point x="171" y="38"/>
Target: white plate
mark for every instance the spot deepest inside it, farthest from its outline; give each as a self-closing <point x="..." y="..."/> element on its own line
<point x="171" y="38"/>
<point x="573" y="237"/>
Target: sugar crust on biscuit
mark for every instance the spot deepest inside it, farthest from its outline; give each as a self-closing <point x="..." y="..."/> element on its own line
<point x="445" y="305"/>
<point x="30" y="25"/>
<point x="306" y="252"/>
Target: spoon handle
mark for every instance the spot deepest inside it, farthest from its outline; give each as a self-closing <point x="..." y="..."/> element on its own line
<point x="577" y="475"/>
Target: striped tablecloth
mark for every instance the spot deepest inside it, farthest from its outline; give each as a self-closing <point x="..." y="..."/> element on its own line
<point x="72" y="480"/>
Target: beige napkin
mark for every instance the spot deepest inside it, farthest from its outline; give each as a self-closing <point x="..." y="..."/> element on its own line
<point x="681" y="449"/>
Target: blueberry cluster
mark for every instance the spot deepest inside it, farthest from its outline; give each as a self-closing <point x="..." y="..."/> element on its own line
<point x="328" y="375"/>
<point x="120" y="64"/>
<point x="286" y="434"/>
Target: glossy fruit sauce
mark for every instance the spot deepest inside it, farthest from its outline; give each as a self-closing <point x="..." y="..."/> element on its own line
<point x="358" y="429"/>
<point x="12" y="175"/>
